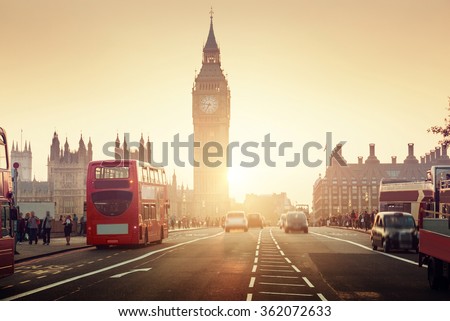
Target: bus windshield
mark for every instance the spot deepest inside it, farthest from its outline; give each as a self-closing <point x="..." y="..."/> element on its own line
<point x="112" y="203"/>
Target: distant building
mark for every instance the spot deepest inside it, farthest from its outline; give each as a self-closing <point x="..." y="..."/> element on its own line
<point x="356" y="186"/>
<point x="181" y="198"/>
<point x="211" y="119"/>
<point x="127" y="150"/>
<point x="24" y="158"/>
<point x="66" y="177"/>
<point x="271" y="206"/>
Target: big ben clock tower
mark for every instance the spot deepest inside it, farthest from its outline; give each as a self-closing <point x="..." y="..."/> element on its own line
<point x="211" y="118"/>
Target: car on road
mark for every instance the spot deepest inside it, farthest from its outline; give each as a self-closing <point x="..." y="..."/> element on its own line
<point x="255" y="220"/>
<point x="296" y="221"/>
<point x="394" y="230"/>
<point x="236" y="220"/>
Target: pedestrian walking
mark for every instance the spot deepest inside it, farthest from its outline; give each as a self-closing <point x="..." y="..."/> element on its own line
<point x="83" y="225"/>
<point x="67" y="228"/>
<point x="21" y="228"/>
<point x="33" y="225"/>
<point x="46" y="229"/>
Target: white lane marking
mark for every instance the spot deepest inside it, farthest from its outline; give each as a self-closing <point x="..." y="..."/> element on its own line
<point x="49" y="286"/>
<point x="282" y="253"/>
<point x="256" y="253"/>
<point x="308" y="282"/>
<point x="279" y="276"/>
<point x="278" y="270"/>
<point x="132" y="271"/>
<point x="287" y="260"/>
<point x="255" y="260"/>
<point x="273" y="262"/>
<point x="284" y="293"/>
<point x="254" y="268"/>
<point x="368" y="248"/>
<point x="283" y="284"/>
<point x="295" y="268"/>
<point x="252" y="282"/>
<point x="249" y="297"/>
<point x="273" y="265"/>
<point x="320" y="295"/>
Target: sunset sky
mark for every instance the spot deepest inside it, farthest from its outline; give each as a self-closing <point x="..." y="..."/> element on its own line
<point x="366" y="71"/>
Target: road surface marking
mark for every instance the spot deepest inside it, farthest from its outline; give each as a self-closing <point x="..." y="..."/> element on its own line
<point x="252" y="282"/>
<point x="254" y="268"/>
<point x="279" y="276"/>
<point x="282" y="284"/>
<point x="368" y="249"/>
<point x="255" y="260"/>
<point x="78" y="277"/>
<point x="295" y="268"/>
<point x="256" y="253"/>
<point x="272" y="265"/>
<point x="320" y="295"/>
<point x="287" y="260"/>
<point x="249" y="297"/>
<point x="278" y="270"/>
<point x="282" y="253"/>
<point x="26" y="281"/>
<point x="273" y="262"/>
<point x="284" y="293"/>
<point x="308" y="282"/>
<point x="132" y="271"/>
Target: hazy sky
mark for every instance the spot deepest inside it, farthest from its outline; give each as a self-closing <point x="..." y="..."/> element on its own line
<point x="366" y="71"/>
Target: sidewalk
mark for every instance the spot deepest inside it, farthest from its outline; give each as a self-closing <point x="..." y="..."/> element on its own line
<point x="57" y="244"/>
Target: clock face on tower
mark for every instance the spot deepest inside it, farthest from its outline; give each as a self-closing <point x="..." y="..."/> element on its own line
<point x="208" y="104"/>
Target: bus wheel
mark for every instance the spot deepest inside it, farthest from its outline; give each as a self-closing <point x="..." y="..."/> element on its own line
<point x="160" y="236"/>
<point x="386" y="246"/>
<point x="434" y="273"/>
<point x="146" y="238"/>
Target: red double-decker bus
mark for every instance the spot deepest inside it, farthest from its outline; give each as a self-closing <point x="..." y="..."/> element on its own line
<point x="6" y="236"/>
<point x="126" y="203"/>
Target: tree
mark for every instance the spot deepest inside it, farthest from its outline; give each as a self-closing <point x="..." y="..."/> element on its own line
<point x="443" y="130"/>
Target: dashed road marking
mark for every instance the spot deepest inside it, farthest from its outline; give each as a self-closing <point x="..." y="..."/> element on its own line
<point x="308" y="282"/>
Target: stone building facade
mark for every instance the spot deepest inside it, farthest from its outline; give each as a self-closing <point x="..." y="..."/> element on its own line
<point x="356" y="186"/>
<point x="66" y="177"/>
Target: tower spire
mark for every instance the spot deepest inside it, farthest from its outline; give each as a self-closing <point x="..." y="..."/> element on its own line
<point x="211" y="43"/>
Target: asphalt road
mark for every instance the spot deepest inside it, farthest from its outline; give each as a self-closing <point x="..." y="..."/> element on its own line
<point x="210" y="265"/>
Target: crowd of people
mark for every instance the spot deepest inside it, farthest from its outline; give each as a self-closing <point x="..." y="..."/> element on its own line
<point x="185" y="222"/>
<point x="30" y="228"/>
<point x="357" y="220"/>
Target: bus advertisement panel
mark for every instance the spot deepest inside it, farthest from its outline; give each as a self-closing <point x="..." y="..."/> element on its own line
<point x="126" y="203"/>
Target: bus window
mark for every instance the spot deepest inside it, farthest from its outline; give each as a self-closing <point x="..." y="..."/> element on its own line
<point x="152" y="175"/>
<point x="146" y="211"/>
<point x="145" y="174"/>
<point x="111" y="172"/>
<point x="153" y="211"/>
<point x="5" y="221"/>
